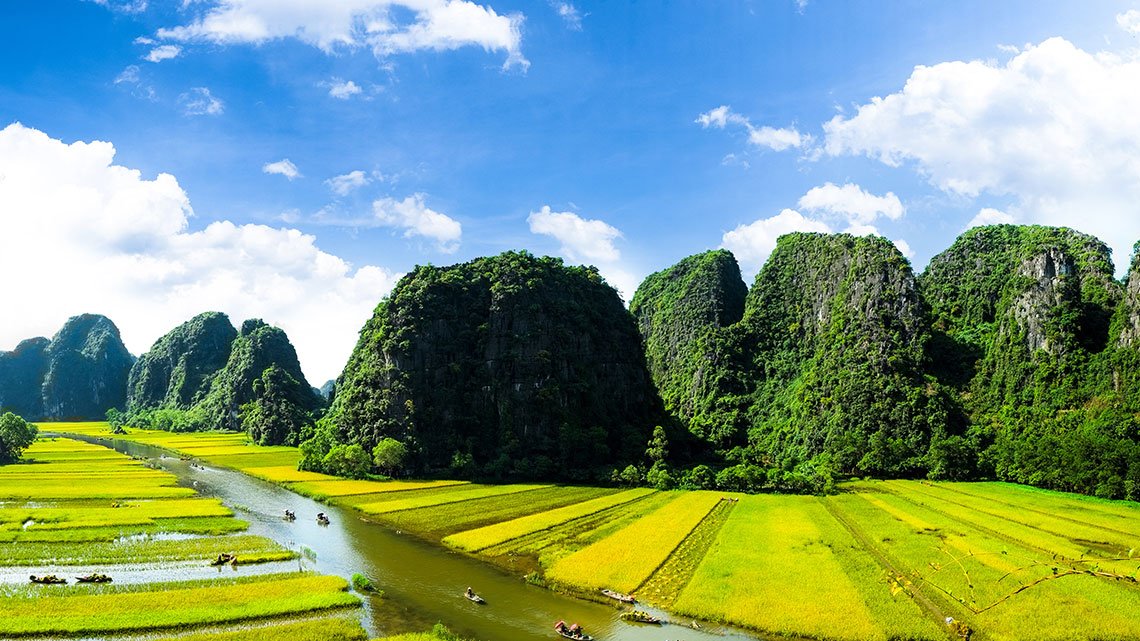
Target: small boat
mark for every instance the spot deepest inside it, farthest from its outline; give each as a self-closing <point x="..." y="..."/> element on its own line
<point x="572" y="632"/>
<point x="639" y="616"/>
<point x="93" y="578"/>
<point x="474" y="598"/>
<point x="47" y="579"/>
<point x="322" y="519"/>
<point x="225" y="558"/>
<point x="289" y="516"/>
<point x="624" y="598"/>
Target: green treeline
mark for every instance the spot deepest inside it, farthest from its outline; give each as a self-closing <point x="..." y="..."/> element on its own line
<point x="1014" y="356"/>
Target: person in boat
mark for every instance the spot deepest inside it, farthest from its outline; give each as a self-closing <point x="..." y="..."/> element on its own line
<point x="560" y="626"/>
<point x="469" y="593"/>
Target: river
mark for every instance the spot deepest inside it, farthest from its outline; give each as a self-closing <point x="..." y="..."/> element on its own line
<point x="422" y="583"/>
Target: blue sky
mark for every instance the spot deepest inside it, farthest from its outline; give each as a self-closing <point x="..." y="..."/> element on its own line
<point x="289" y="160"/>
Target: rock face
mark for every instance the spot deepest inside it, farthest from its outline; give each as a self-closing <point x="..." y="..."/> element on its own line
<point x="257" y="348"/>
<point x="179" y="367"/>
<point x="510" y="366"/>
<point x="834" y="333"/>
<point x="1128" y="315"/>
<point x="22" y="374"/>
<point x="87" y="370"/>
<point x="1024" y="307"/>
<point x="681" y="312"/>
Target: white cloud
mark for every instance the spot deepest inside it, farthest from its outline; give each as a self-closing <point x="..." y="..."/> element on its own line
<point x="163" y="52"/>
<point x="569" y="14"/>
<point x="416" y="219"/>
<point x="200" y="102"/>
<point x="1129" y="20"/>
<point x="283" y="167"/>
<point x="587" y="241"/>
<point x="343" y="89"/>
<point x="904" y="248"/>
<point x="122" y="245"/>
<point x="380" y="25"/>
<point x="346" y="183"/>
<point x="775" y="139"/>
<point x="851" y="203"/>
<point x="581" y="239"/>
<point x="990" y="216"/>
<point x="754" y="242"/>
<point x="1055" y="128"/>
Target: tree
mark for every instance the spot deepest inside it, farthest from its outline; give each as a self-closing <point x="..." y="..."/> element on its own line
<point x="389" y="455"/>
<point x="16" y="435"/>
<point x="347" y="460"/>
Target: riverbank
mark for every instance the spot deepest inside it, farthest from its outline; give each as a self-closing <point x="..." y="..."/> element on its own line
<point x="880" y="560"/>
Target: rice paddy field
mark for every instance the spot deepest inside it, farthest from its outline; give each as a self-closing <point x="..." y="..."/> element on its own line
<point x="879" y="560"/>
<point x="70" y="503"/>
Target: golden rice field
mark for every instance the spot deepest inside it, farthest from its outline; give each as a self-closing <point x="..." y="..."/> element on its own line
<point x="74" y="503"/>
<point x="880" y="560"/>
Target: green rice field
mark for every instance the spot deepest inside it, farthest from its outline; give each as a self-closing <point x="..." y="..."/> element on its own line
<point x="69" y="503"/>
<point x="879" y="560"/>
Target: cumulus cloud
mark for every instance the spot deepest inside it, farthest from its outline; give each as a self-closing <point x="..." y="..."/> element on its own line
<point x="588" y="241"/>
<point x="200" y="102"/>
<point x="754" y="242"/>
<point x="384" y="26"/>
<point x="581" y="239"/>
<point x="123" y="245"/>
<point x="343" y="89"/>
<point x="163" y="52"/>
<point x="1054" y="128"/>
<point x="416" y="219"/>
<point x="1129" y="20"/>
<point x="283" y="167"/>
<point x="851" y="203"/>
<point x="775" y="139"/>
<point x="990" y="216"/>
<point x="345" y="184"/>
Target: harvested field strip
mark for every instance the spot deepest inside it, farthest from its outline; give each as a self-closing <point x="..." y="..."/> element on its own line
<point x="1063" y="515"/>
<point x="385" y="507"/>
<point x="611" y="563"/>
<point x="286" y="474"/>
<point x="955" y="561"/>
<point x="548" y="546"/>
<point x="478" y="539"/>
<point x="438" y="521"/>
<point x="757" y="571"/>
<point x="663" y="588"/>
<point x="343" y="487"/>
<point x="56" y="612"/>
<point x="248" y="548"/>
<point x="325" y="628"/>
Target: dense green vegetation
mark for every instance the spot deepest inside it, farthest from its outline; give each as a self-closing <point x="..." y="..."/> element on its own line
<point x="1033" y="332"/>
<point x="205" y="375"/>
<point x="22" y="374"/>
<point x="79" y="374"/>
<point x="177" y="370"/>
<point x="504" y="367"/>
<point x="16" y="435"/>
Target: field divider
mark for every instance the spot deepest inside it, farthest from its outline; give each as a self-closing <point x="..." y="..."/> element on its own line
<point x="679" y="544"/>
<point x="928" y="605"/>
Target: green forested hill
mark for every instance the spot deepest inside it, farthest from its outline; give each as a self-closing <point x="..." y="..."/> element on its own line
<point x="507" y="366"/>
<point x="87" y="369"/>
<point x="177" y="370"/>
<point x="21" y="378"/>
